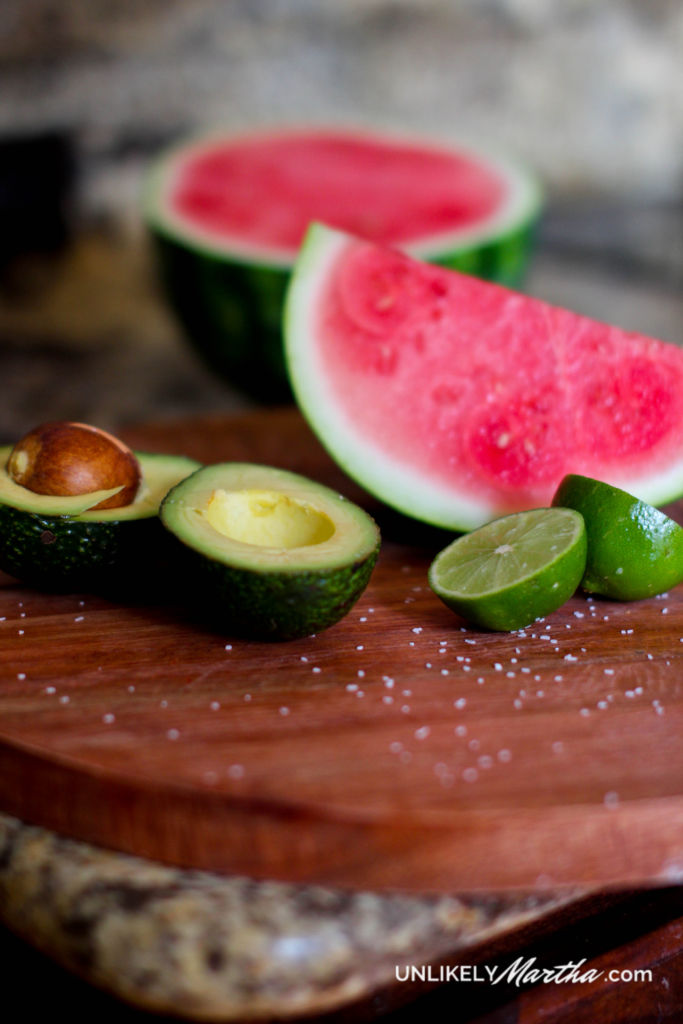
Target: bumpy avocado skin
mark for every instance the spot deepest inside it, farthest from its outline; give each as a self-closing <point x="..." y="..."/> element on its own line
<point x="130" y="556"/>
<point x="65" y="553"/>
<point x="260" y="605"/>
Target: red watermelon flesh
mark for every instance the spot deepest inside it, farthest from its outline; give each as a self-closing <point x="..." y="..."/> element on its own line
<point x="455" y="399"/>
<point x="264" y="190"/>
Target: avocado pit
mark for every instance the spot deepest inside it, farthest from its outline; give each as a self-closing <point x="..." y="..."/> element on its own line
<point x="66" y="458"/>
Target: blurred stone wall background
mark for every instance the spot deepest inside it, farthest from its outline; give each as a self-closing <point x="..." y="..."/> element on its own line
<point x="588" y="92"/>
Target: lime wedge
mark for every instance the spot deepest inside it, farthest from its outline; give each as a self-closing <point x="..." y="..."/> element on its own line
<point x="513" y="570"/>
<point x="634" y="550"/>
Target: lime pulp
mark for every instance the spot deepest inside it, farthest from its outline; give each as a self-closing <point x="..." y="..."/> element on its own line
<point x="513" y="570"/>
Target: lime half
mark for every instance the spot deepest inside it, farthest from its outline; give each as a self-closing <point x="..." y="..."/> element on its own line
<point x="634" y="550"/>
<point x="512" y="570"/>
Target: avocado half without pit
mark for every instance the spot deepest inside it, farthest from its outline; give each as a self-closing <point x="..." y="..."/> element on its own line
<point x="79" y="509"/>
<point x="271" y="554"/>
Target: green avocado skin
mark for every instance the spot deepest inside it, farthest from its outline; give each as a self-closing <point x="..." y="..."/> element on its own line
<point x="64" y="553"/>
<point x="232" y="312"/>
<point x="261" y="605"/>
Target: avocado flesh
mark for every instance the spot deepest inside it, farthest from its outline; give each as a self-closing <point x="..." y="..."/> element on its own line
<point x="276" y="556"/>
<point x="267" y="519"/>
<point x="61" y="543"/>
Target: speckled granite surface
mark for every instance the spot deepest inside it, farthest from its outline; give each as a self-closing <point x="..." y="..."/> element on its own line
<point x="209" y="947"/>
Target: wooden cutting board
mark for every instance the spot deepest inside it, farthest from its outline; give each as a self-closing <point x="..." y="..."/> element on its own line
<point x="397" y="749"/>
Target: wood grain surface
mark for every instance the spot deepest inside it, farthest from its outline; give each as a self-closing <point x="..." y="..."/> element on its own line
<point x="398" y="749"/>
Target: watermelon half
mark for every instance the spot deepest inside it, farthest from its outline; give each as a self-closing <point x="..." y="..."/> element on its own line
<point x="228" y="216"/>
<point x="456" y="400"/>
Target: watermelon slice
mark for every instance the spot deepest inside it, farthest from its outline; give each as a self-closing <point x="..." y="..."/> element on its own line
<point x="456" y="400"/>
<point x="229" y="214"/>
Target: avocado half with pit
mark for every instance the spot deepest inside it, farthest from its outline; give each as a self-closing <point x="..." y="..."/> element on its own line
<point x="63" y="542"/>
<point x="271" y="554"/>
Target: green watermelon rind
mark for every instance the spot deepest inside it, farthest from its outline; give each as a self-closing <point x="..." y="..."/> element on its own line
<point x="229" y="297"/>
<point x="401" y="487"/>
